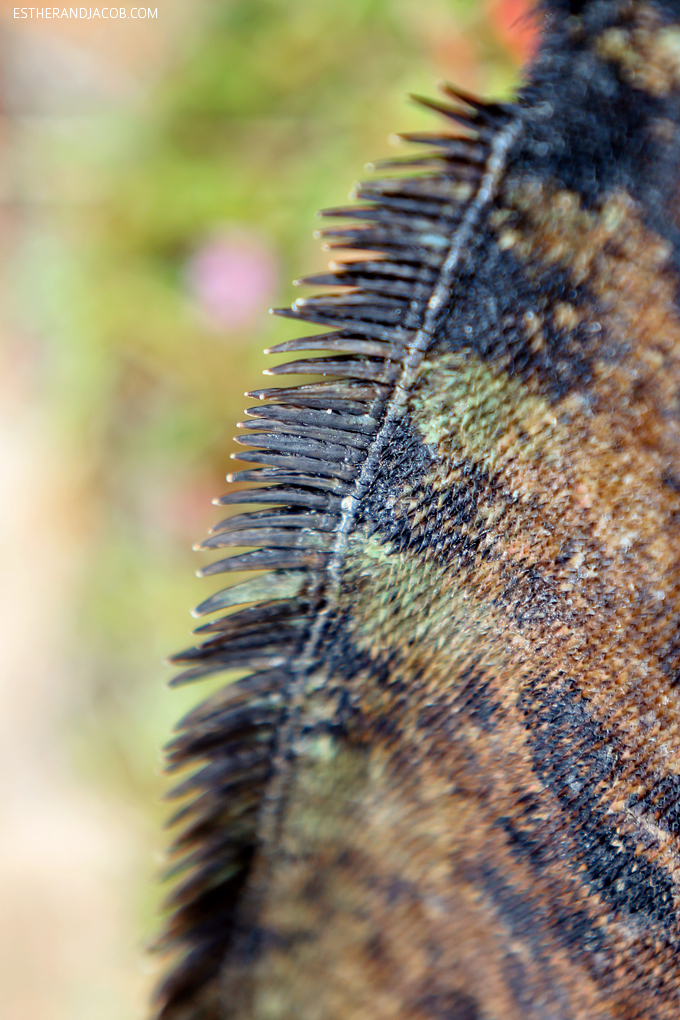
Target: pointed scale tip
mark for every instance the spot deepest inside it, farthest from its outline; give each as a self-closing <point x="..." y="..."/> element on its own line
<point x="413" y="97"/>
<point x="432" y="104"/>
<point x="454" y="92"/>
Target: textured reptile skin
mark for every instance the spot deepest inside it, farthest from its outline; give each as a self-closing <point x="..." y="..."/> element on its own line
<point x="450" y="789"/>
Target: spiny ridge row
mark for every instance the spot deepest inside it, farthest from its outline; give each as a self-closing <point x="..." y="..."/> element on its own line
<point x="308" y="443"/>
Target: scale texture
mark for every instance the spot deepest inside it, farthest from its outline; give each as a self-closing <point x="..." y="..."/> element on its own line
<point x="449" y="786"/>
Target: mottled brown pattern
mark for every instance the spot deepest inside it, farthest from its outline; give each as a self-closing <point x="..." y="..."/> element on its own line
<point x="400" y="879"/>
<point x="400" y="841"/>
<point x="473" y="808"/>
<point x="645" y="50"/>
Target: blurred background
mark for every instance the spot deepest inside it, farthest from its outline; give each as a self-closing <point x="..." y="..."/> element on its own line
<point x="158" y="184"/>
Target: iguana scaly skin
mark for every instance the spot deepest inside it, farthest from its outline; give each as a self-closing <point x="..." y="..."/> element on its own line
<point x="450" y="789"/>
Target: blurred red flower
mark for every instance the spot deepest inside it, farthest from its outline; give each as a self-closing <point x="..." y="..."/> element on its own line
<point x="515" y="23"/>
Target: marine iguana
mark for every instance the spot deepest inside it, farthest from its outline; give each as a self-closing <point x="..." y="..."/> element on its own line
<point x="449" y="787"/>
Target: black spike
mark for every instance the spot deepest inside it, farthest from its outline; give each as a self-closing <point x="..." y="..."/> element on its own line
<point x="291" y="441"/>
<point x="268" y="637"/>
<point x="379" y="371"/>
<point x="495" y="114"/>
<point x="292" y="476"/>
<point x="354" y="440"/>
<point x="394" y="213"/>
<point x="372" y="308"/>
<point x="388" y="237"/>
<point x="371" y="283"/>
<point x="270" y="538"/>
<point x="279" y="494"/>
<point x="325" y="470"/>
<point x="432" y="161"/>
<point x="427" y="214"/>
<point x="357" y="424"/>
<point x="394" y="334"/>
<point x="296" y="613"/>
<point x="312" y="441"/>
<point x="340" y="396"/>
<point x="459" y="148"/>
<point x="430" y="210"/>
<point x="472" y="120"/>
<point x="267" y="559"/>
<point x="351" y="303"/>
<point x="240" y="761"/>
<point x="276" y="585"/>
<point x="388" y="269"/>
<point x="267" y="518"/>
<point x="342" y="342"/>
<point x="447" y="187"/>
<point x="246" y="659"/>
<point x="207" y="715"/>
<point x="404" y="249"/>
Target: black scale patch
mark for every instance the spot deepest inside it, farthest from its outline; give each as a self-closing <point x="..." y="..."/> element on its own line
<point x="572" y="755"/>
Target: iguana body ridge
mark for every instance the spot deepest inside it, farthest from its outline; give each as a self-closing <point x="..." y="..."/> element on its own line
<point x="450" y="786"/>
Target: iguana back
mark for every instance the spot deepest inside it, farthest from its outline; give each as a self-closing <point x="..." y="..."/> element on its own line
<point x="449" y="790"/>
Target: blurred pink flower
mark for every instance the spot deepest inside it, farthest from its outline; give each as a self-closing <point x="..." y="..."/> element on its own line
<point x="232" y="277"/>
